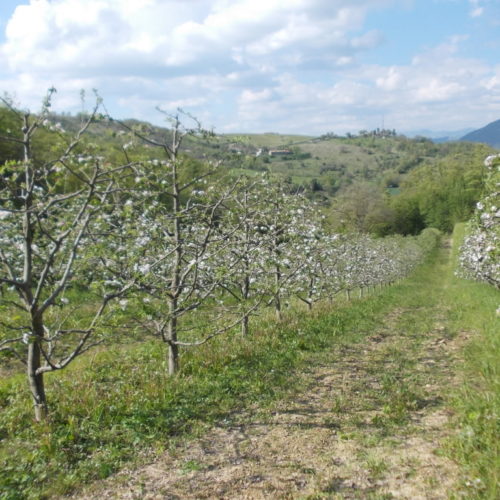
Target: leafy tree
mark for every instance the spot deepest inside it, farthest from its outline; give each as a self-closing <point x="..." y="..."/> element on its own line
<point x="442" y="193"/>
<point x="363" y="207"/>
<point x="246" y="288"/>
<point x="9" y="127"/>
<point x="407" y="216"/>
<point x="284" y="224"/>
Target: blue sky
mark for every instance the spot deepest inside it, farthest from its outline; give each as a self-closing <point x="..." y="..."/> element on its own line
<point x="289" y="66"/>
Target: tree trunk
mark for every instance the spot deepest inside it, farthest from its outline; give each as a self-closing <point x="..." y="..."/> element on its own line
<point x="246" y="295"/>
<point x="277" y="298"/>
<point x="310" y="295"/>
<point x="173" y="359"/>
<point x="35" y="380"/>
<point x="173" y="348"/>
<point x="244" y="326"/>
<point x="277" y="309"/>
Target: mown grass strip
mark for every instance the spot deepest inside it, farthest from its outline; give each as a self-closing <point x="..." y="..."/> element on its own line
<point x="477" y="401"/>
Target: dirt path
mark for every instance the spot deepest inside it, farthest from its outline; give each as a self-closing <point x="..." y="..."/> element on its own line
<point x="368" y="426"/>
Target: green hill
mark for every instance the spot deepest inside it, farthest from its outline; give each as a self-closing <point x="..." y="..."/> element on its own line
<point x="328" y="164"/>
<point x="320" y="166"/>
<point x="388" y="177"/>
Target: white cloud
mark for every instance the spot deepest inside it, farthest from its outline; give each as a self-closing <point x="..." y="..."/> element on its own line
<point x="477" y="12"/>
<point x="450" y="94"/>
<point x="76" y="34"/>
<point x="476" y="9"/>
<point x="438" y="90"/>
<point x="249" y="97"/>
<point x="392" y="80"/>
<point x="67" y="41"/>
<point x="264" y="65"/>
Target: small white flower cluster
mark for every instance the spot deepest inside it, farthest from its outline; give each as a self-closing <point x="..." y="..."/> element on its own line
<point x="53" y="127"/>
<point x="480" y="252"/>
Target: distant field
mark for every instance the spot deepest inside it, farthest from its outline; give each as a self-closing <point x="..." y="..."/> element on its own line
<point x="326" y="164"/>
<point x="268" y="140"/>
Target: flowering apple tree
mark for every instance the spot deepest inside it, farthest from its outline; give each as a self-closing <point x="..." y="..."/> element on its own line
<point x="46" y="224"/>
<point x="288" y="228"/>
<point x="172" y="222"/>
<point x="480" y="252"/>
<point x="247" y="288"/>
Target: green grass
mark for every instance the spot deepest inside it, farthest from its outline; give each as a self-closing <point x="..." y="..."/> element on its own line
<point x="477" y="401"/>
<point x="116" y="405"/>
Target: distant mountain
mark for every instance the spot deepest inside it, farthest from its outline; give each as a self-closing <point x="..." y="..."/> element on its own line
<point x="487" y="135"/>
<point x="440" y="136"/>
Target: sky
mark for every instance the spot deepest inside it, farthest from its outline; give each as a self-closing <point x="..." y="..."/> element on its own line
<point x="286" y="66"/>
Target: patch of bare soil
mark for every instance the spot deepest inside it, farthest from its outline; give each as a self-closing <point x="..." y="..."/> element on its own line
<point x="338" y="439"/>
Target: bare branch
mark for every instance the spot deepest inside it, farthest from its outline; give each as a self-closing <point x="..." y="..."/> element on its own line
<point x="11" y="139"/>
<point x="11" y="327"/>
<point x="15" y="353"/>
<point x="10" y="341"/>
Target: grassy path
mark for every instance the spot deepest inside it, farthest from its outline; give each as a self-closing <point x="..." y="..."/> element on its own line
<point x="369" y="421"/>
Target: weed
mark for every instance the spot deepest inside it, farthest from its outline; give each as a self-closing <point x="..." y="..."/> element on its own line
<point x="191" y="466"/>
<point x="377" y="467"/>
